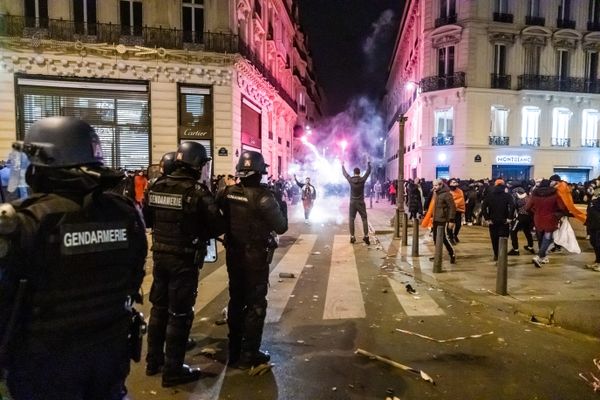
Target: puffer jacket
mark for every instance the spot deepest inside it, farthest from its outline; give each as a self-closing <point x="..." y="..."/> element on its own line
<point x="547" y="209"/>
<point x="444" y="210"/>
<point x="459" y="199"/>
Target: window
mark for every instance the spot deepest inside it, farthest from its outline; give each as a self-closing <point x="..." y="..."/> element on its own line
<point x="193" y="21"/>
<point x="443" y="122"/>
<point x="118" y="112"/>
<point x="564" y="10"/>
<point x="533" y="8"/>
<point x="562" y="64"/>
<point x="530" y="124"/>
<point x="500" y="59"/>
<point x="446" y="61"/>
<point x="36" y="13"/>
<point x="591" y="66"/>
<point x="560" y="126"/>
<point x="131" y="17"/>
<point x="532" y="59"/>
<point x="594" y="12"/>
<point x="447" y="8"/>
<point x="499" y="121"/>
<point x="195" y="108"/>
<point x="258" y="8"/>
<point x="84" y="13"/>
<point x="501" y="6"/>
<point x="589" y="126"/>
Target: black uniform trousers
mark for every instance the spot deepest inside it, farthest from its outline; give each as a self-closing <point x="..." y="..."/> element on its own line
<point x="248" y="285"/>
<point x="93" y="372"/>
<point x="172" y="295"/>
<point x="358" y="206"/>
<point x="498" y="230"/>
<point x="524" y="225"/>
<point x="447" y="243"/>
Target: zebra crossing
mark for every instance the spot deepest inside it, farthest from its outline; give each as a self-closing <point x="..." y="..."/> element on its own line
<point x="344" y="296"/>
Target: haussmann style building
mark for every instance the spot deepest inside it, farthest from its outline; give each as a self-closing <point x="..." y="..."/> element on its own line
<point x="148" y="74"/>
<point x="496" y="88"/>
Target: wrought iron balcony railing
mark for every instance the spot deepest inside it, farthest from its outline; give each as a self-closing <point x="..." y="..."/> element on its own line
<point x="503" y="17"/>
<point x="169" y="38"/>
<point x="450" y="19"/>
<point x="266" y="72"/>
<point x="498" y="141"/>
<point x="530" y="141"/>
<point x="500" y="81"/>
<point x="561" y="142"/>
<point x="433" y="83"/>
<point x="593" y="26"/>
<point x="531" y="20"/>
<point x="442" y="140"/>
<point x="565" y="23"/>
<point x="591" y="143"/>
<point x="560" y="84"/>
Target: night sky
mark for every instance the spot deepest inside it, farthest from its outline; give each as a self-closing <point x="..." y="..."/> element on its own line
<point x="339" y="34"/>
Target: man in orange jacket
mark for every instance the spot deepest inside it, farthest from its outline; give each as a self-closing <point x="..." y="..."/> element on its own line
<point x="459" y="202"/>
<point x="563" y="191"/>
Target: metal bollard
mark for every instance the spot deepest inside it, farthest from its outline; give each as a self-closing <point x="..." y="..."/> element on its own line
<point x="404" y="229"/>
<point x="439" y="243"/>
<point x="502" y="273"/>
<point x="415" y="240"/>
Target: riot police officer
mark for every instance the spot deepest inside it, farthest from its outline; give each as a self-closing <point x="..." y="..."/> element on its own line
<point x="184" y="216"/>
<point x="72" y="255"/>
<point x="252" y="213"/>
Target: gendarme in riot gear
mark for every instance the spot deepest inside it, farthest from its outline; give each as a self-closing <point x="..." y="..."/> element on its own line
<point x="184" y="216"/>
<point x="69" y="269"/>
<point x="252" y="214"/>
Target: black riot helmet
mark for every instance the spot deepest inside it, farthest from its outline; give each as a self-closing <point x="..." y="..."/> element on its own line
<point x="60" y="142"/>
<point x="250" y="163"/>
<point x="167" y="163"/>
<point x="192" y="154"/>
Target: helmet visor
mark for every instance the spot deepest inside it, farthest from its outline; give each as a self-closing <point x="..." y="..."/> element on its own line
<point x="206" y="174"/>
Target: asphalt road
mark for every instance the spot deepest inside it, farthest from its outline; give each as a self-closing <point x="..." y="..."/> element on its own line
<point x="347" y="297"/>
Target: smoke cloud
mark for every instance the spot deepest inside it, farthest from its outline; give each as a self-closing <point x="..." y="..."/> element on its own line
<point x="380" y="33"/>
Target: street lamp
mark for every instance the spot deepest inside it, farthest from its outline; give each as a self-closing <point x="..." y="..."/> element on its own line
<point x="400" y="211"/>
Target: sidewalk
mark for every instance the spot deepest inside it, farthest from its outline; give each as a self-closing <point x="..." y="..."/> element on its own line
<point x="562" y="292"/>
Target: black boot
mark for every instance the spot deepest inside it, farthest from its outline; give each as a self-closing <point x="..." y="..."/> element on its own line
<point x="155" y="359"/>
<point x="249" y="359"/>
<point x="181" y="375"/>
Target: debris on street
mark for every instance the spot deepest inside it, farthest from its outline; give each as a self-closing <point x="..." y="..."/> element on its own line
<point x="393" y="363"/>
<point x="410" y="289"/>
<point x="286" y="275"/>
<point x="208" y="351"/>
<point x="592" y="379"/>
<point x="446" y="340"/>
<point x="260" y="369"/>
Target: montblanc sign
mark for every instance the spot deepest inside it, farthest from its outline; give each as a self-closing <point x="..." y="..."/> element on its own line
<point x="513" y="159"/>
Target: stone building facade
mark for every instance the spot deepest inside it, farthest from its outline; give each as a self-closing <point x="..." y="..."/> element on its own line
<point x="496" y="88"/>
<point x="148" y="74"/>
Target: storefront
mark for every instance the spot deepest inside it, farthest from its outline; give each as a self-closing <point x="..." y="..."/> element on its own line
<point x="573" y="174"/>
<point x="117" y="109"/>
<point x="512" y="167"/>
<point x="251" y="126"/>
<point x="196" y="122"/>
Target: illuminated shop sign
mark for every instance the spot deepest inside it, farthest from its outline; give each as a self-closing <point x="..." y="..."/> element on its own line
<point x="508" y="159"/>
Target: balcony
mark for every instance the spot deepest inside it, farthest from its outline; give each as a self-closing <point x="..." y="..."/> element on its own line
<point x="71" y="31"/>
<point x="558" y="84"/>
<point x="590" y="143"/>
<point x="500" y="81"/>
<point x="537" y="21"/>
<point x="247" y="52"/>
<point x="450" y="19"/>
<point x="565" y="23"/>
<point x="561" y="142"/>
<point x="498" y="140"/>
<point x="502" y="17"/>
<point x="593" y="26"/>
<point x="433" y="83"/>
<point x="442" y="140"/>
<point x="530" y="141"/>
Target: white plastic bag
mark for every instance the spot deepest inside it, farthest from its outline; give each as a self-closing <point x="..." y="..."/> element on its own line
<point x="565" y="236"/>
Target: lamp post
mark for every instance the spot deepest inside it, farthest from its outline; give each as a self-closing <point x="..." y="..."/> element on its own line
<point x="400" y="211"/>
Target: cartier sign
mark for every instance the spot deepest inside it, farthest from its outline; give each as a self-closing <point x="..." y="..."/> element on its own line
<point x="186" y="132"/>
